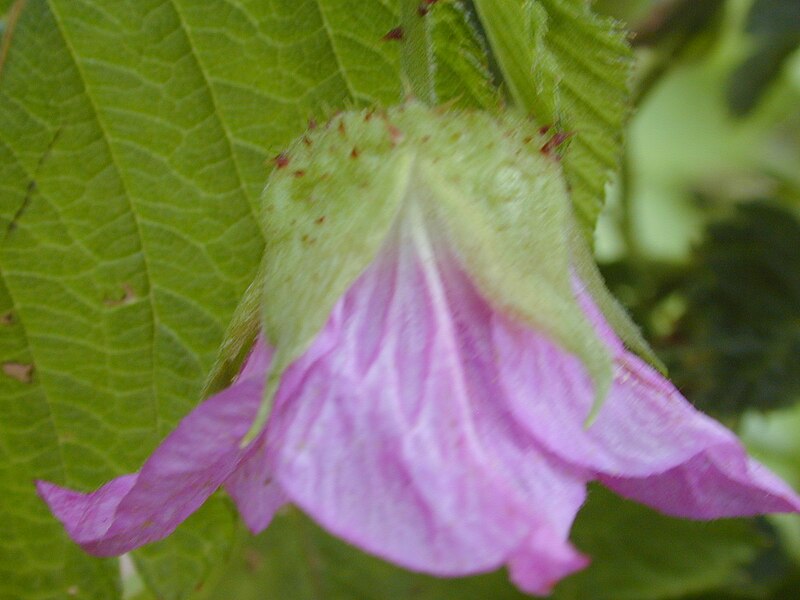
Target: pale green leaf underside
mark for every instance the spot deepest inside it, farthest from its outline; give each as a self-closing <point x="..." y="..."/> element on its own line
<point x="133" y="140"/>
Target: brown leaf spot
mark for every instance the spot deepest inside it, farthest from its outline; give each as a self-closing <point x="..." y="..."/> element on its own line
<point x="19" y="371"/>
<point x="7" y="318"/>
<point x="396" y="34"/>
<point x="299" y="173"/>
<point x="128" y="296"/>
<point x="354" y="152"/>
<point x="320" y="220"/>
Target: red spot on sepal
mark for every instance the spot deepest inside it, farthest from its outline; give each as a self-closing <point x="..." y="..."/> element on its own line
<point x="555" y="141"/>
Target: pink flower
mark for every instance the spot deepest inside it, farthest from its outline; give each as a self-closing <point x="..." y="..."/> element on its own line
<point x="429" y="421"/>
<point x="430" y="429"/>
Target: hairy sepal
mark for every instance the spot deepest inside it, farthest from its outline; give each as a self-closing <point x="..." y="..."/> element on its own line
<point x="485" y="184"/>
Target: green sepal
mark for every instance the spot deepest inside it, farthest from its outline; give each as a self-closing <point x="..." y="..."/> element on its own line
<point x="505" y="207"/>
<point x="238" y="339"/>
<point x="622" y="324"/>
<point x="327" y="209"/>
<point x="483" y="185"/>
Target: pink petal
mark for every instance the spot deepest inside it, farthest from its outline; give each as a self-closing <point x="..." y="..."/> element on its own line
<point x="646" y="435"/>
<point x="254" y="490"/>
<point x="177" y="478"/>
<point x="391" y="432"/>
<point x="542" y="561"/>
<point x="719" y="482"/>
<point x="643" y="427"/>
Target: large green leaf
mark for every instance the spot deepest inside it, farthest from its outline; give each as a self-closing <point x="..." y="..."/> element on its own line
<point x="570" y="68"/>
<point x="133" y="137"/>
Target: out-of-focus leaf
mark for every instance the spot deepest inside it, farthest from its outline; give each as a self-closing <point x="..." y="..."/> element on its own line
<point x="638" y="554"/>
<point x="750" y="81"/>
<point x="775" y="26"/>
<point x="296" y="560"/>
<point x="740" y="338"/>
<point x="133" y="140"/>
<point x="171" y="571"/>
<point x="569" y="68"/>
<point x="629" y="11"/>
<point x="674" y="31"/>
<point x="678" y="21"/>
<point x="774" y="439"/>
<point x="4" y="6"/>
<point x="774" y="17"/>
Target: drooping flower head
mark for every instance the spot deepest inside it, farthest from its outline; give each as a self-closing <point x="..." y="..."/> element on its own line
<point x="434" y="370"/>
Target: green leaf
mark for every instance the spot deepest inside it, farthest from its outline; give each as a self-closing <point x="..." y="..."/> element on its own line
<point x="570" y="69"/>
<point x="638" y="554"/>
<point x="676" y="23"/>
<point x="774" y="439"/>
<point x="741" y="331"/>
<point x="296" y="560"/>
<point x="775" y="25"/>
<point x="462" y="60"/>
<point x="35" y="559"/>
<point x="171" y="571"/>
<point x="444" y="56"/>
<point x="133" y="140"/>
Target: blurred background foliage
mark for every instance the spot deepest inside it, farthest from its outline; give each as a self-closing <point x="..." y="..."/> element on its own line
<point x="701" y="236"/>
